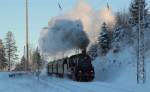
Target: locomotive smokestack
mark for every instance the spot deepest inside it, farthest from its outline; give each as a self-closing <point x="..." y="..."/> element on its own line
<point x="83" y="51"/>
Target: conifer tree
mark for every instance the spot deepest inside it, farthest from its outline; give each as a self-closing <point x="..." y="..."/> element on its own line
<point x="23" y="63"/>
<point x="11" y="49"/>
<point x="93" y="51"/>
<point x="134" y="11"/>
<point x="104" y="39"/>
<point x="37" y="62"/>
<point x="3" y="61"/>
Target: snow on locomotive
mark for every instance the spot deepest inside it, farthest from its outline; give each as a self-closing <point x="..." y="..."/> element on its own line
<point x="77" y="67"/>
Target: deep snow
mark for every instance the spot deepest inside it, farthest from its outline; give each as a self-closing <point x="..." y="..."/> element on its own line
<point x="52" y="84"/>
<point x="120" y="69"/>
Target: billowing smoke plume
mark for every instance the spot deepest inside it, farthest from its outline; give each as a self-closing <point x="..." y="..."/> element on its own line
<point x="63" y="35"/>
<point x="67" y="31"/>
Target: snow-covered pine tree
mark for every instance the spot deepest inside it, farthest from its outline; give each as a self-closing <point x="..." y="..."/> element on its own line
<point x="37" y="62"/>
<point x="122" y="19"/>
<point x="104" y="40"/>
<point x="117" y="35"/>
<point x="21" y="66"/>
<point x="93" y="51"/>
<point x="3" y="60"/>
<point x="23" y="61"/>
<point x="134" y="11"/>
<point x="11" y="49"/>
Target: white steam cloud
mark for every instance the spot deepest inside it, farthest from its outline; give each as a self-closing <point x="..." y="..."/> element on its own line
<point x="69" y="30"/>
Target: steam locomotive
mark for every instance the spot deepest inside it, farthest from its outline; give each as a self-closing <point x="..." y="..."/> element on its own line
<point x="77" y="67"/>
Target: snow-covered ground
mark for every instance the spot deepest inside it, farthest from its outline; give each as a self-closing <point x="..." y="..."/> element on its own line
<point x="119" y="69"/>
<point x="52" y="84"/>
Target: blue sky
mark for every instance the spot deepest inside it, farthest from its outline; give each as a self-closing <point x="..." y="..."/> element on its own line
<point x="12" y="15"/>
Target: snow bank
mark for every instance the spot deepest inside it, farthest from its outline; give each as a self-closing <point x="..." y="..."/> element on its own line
<point x="119" y="69"/>
<point x="110" y="67"/>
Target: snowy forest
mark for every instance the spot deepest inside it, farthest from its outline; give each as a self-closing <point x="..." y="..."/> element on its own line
<point x="117" y="43"/>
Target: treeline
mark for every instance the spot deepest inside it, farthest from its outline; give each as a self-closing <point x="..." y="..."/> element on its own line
<point x="10" y="61"/>
<point x="8" y="52"/>
<point x="36" y="61"/>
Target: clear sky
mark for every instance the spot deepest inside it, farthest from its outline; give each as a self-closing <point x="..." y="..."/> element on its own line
<point x="12" y="15"/>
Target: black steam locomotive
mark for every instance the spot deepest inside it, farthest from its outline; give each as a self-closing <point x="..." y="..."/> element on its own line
<point x="77" y="67"/>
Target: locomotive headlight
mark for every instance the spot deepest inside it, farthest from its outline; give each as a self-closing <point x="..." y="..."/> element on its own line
<point x="80" y="71"/>
<point x="91" y="71"/>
